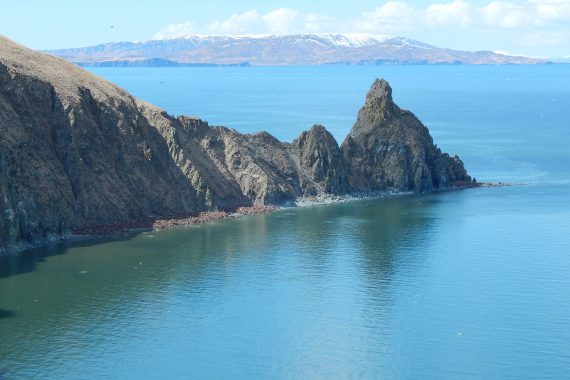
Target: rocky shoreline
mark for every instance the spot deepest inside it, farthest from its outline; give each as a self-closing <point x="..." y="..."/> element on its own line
<point x="80" y="156"/>
<point x="162" y="223"/>
<point x="212" y="216"/>
<point x="102" y="231"/>
<point x="324" y="199"/>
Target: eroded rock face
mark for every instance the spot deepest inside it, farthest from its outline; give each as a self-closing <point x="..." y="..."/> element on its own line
<point x="73" y="155"/>
<point x="390" y="149"/>
<point x="251" y="169"/>
<point x="320" y="160"/>
<point x="77" y="151"/>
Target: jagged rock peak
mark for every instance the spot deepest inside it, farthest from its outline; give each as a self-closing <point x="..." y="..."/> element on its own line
<point x="378" y="108"/>
<point x="320" y="159"/>
<point x="317" y="131"/>
<point x="379" y="99"/>
<point x="389" y="148"/>
<point x="380" y="90"/>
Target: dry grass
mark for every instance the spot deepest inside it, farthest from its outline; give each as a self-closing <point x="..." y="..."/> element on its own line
<point x="66" y="78"/>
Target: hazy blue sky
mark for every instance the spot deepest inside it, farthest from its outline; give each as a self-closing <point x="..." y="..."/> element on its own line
<point x="533" y="27"/>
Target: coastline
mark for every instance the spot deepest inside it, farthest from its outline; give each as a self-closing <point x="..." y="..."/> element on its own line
<point x="101" y="231"/>
<point x="162" y="223"/>
<point x="154" y="224"/>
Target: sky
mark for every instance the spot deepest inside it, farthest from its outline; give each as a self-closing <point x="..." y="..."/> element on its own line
<point x="537" y="28"/>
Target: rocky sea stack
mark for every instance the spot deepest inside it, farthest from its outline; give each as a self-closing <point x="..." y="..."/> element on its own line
<point x="77" y="151"/>
<point x="389" y="148"/>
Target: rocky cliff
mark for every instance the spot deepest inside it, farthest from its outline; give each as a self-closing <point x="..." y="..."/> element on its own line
<point x="320" y="160"/>
<point x="77" y="151"/>
<point x="389" y="148"/>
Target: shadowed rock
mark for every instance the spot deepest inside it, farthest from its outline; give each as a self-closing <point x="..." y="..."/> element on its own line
<point x="320" y="160"/>
<point x="390" y="149"/>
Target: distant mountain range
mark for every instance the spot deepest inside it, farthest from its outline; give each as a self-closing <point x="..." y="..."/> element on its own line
<point x="280" y="50"/>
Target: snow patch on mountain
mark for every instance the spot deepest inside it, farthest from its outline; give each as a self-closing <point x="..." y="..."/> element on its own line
<point x="328" y="39"/>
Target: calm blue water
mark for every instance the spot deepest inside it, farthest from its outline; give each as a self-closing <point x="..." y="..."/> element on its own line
<point x="507" y="122"/>
<point x="462" y="285"/>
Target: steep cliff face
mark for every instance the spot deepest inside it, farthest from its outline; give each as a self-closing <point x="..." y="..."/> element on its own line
<point x="320" y="160"/>
<point x="77" y="151"/>
<point x="250" y="169"/>
<point x="390" y="149"/>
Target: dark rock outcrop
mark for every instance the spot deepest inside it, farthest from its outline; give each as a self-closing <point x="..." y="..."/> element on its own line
<point x="390" y="149"/>
<point x="77" y="151"/>
<point x="320" y="160"/>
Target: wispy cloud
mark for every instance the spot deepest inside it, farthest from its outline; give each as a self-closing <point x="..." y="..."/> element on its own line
<point x="400" y="16"/>
<point x="527" y="22"/>
<point x="454" y="14"/>
<point x="278" y="21"/>
<point x="392" y="17"/>
<point x="174" y="31"/>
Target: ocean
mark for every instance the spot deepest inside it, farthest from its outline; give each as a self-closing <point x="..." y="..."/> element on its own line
<point x="456" y="285"/>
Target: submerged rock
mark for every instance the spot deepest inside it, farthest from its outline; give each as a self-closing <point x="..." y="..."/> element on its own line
<point x="77" y="151"/>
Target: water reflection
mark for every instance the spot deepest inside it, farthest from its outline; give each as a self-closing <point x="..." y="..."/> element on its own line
<point x="307" y="282"/>
<point x="27" y="261"/>
<point x="394" y="234"/>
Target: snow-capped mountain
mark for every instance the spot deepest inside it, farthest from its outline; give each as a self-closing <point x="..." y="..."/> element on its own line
<point x="298" y="49"/>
